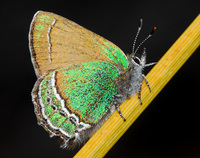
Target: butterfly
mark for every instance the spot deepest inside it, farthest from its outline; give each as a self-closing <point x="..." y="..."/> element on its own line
<point x="82" y="77"/>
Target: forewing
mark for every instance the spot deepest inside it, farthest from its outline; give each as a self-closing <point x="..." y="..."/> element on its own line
<point x="57" y="42"/>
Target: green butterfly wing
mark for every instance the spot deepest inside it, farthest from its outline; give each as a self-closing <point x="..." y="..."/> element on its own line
<point x="76" y="97"/>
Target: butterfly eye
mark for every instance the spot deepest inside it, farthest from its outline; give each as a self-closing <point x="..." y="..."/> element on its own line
<point x="136" y="60"/>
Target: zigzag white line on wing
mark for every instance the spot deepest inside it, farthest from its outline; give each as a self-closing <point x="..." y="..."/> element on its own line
<point x="62" y="102"/>
<point x="45" y="116"/>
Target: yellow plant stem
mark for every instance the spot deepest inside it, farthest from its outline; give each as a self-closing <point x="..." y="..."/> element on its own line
<point x="110" y="132"/>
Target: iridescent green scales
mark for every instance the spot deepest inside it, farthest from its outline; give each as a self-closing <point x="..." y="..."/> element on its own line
<point x="50" y="102"/>
<point x="44" y="18"/>
<point x="85" y="89"/>
<point x="90" y="88"/>
<point x="117" y="57"/>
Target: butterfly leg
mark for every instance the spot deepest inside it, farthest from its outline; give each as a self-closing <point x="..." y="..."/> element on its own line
<point x="139" y="93"/>
<point x="119" y="111"/>
<point x="140" y="87"/>
<point x="146" y="82"/>
<point x="117" y="103"/>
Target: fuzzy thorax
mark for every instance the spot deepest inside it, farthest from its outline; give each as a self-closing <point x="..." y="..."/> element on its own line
<point x="130" y="82"/>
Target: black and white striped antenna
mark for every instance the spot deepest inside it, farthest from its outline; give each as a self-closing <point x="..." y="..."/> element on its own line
<point x="134" y="51"/>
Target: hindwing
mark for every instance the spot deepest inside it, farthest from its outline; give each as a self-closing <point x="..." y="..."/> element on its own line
<point x="75" y="98"/>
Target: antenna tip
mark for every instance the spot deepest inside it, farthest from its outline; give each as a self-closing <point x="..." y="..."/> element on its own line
<point x="140" y="23"/>
<point x="153" y="30"/>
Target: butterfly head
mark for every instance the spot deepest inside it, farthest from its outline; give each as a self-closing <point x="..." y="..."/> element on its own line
<point x="135" y="61"/>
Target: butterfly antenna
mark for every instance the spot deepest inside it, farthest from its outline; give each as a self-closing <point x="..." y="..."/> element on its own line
<point x="138" y="31"/>
<point x="151" y="33"/>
